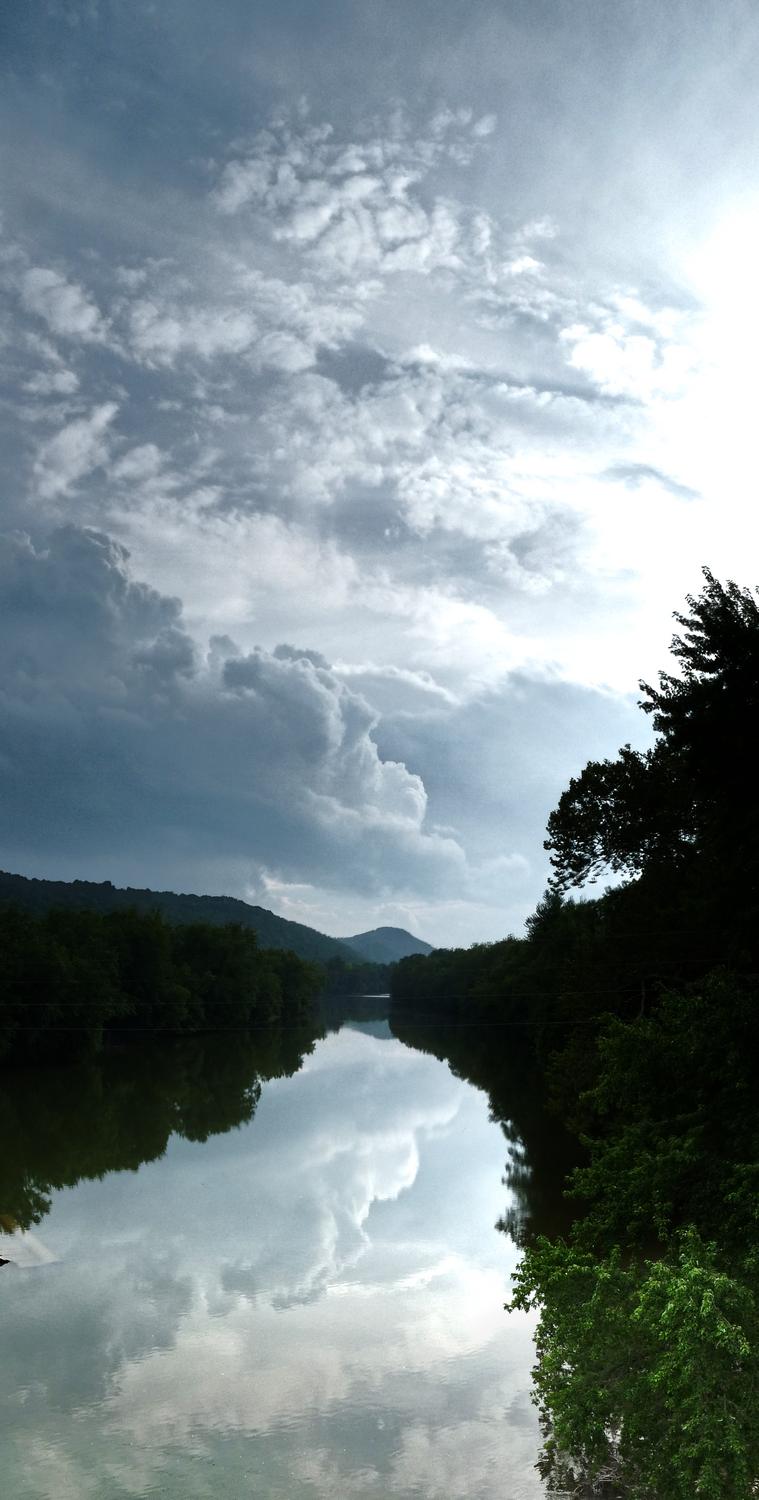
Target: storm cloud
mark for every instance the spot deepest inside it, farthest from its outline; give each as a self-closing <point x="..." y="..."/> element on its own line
<point x="422" y="338"/>
<point x="115" y="724"/>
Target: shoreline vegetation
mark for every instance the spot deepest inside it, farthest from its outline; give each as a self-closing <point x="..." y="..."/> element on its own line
<point x="72" y="978"/>
<point x="639" y="1009"/>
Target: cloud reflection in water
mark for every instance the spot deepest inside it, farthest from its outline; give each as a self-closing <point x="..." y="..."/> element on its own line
<point x="311" y="1304"/>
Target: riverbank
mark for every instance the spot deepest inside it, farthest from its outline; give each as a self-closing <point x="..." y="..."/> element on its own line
<point x="71" y="978"/>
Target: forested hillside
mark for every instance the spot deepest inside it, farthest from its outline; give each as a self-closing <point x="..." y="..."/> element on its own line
<point x="216" y="911"/>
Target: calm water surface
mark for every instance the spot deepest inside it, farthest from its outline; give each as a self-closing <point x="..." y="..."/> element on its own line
<point x="262" y="1267"/>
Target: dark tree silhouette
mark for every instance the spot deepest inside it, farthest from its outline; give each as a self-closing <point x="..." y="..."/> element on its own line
<point x="693" y="796"/>
<point x="68" y="977"/>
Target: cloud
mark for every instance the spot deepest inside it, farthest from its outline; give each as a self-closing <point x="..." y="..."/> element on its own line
<point x="52" y="383"/>
<point x="353" y="1220"/>
<point x="66" y="308"/>
<point x="234" y="311"/>
<point x="629" y="351"/>
<point x="132" y="1308"/>
<point x="358" y="207"/>
<point x="480" y="467"/>
<point x="366" y="378"/>
<point x="279" y="768"/>
<point x="636" y="474"/>
<point x="79" y="447"/>
<point x="241" y="572"/>
<point x="395" y="689"/>
<point x="143" y="462"/>
<point x="494" y="765"/>
<point x="450" y="452"/>
<point x="160" y="332"/>
<point x="321" y="734"/>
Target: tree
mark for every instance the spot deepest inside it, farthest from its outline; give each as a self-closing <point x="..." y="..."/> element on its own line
<point x="693" y="796"/>
<point x="647" y="1371"/>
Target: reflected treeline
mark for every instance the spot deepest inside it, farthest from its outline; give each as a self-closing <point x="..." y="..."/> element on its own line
<point x="334" y="1010"/>
<point x="119" y="1110"/>
<point x="504" y="1065"/>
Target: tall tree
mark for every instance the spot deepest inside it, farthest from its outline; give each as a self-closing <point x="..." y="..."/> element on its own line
<point x="694" y="794"/>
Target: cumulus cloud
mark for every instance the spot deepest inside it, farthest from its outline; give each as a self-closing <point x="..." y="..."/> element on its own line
<point x="278" y="762"/>
<point x="446" y="445"/>
<point x="235" y="311"/>
<point x="238" y="570"/>
<point x="320" y="735"/>
<point x="131" y="1309"/>
<point x="358" y="206"/>
<point x="448" y="454"/>
<point x="143" y="462"/>
<point x="396" y="689"/>
<point x="630" y="351"/>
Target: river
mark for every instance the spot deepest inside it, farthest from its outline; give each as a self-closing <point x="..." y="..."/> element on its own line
<point x="269" y="1266"/>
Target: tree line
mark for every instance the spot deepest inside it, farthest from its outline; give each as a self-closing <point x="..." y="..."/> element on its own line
<point x="356" y="976"/>
<point x="70" y="978"/>
<point x="640" y="1009"/>
<point x="35" y="895"/>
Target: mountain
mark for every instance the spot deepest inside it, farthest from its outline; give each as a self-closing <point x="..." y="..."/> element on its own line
<point x="385" y="945"/>
<point x="272" y="931"/>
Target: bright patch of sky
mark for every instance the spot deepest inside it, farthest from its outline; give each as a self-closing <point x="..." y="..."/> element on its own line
<point x="377" y="382"/>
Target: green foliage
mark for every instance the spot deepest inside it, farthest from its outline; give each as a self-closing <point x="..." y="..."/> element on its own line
<point x="647" y="1371"/>
<point x="652" y="1365"/>
<point x="673" y="1127"/>
<point x="68" y="977"/>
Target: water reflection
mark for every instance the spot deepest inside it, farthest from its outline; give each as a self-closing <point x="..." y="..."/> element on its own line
<point x="299" y="1293"/>
<point x="541" y="1153"/>
<point x="115" y="1112"/>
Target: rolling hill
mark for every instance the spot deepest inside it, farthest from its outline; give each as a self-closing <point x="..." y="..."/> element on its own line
<point x="384" y="945"/>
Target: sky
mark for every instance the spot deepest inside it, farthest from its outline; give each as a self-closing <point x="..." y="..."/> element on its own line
<point x="377" y="378"/>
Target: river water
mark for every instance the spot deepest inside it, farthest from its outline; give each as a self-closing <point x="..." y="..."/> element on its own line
<point x="268" y="1266"/>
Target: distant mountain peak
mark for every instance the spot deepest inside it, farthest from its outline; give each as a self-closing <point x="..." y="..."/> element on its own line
<point x="386" y="945"/>
<point x="383" y="945"/>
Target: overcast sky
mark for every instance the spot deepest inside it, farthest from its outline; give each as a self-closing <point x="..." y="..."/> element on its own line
<point x="378" y="376"/>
